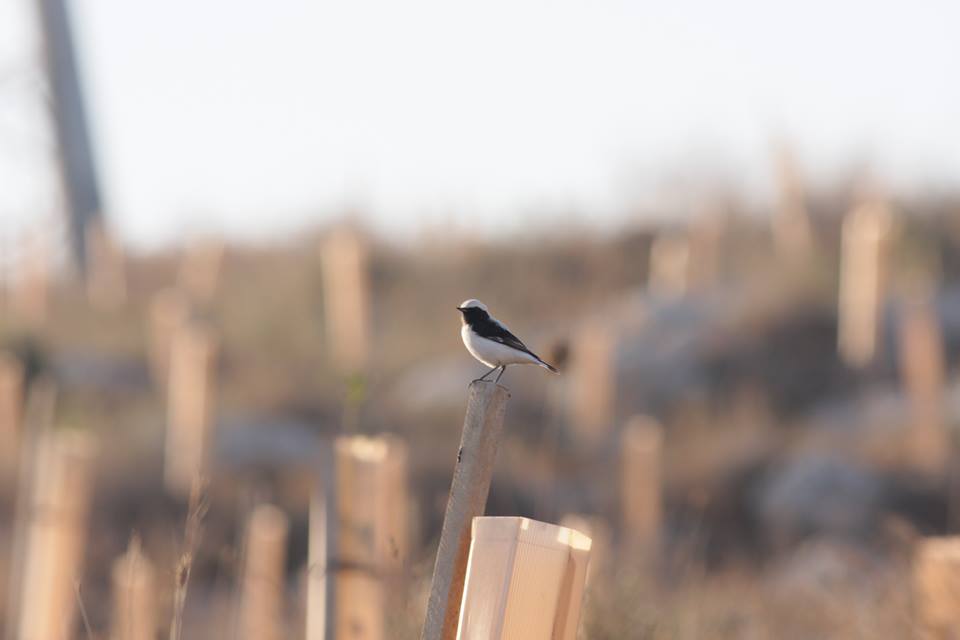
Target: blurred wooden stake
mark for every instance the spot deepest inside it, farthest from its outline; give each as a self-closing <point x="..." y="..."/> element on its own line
<point x="11" y="409"/>
<point x="525" y="579"/>
<point x="346" y="299"/>
<point x="592" y="389"/>
<point x="371" y="509"/>
<point x="264" y="575"/>
<point x="479" y="442"/>
<point x="936" y="586"/>
<point x="670" y="265"/>
<point x="792" y="231"/>
<point x="57" y="533"/>
<point x="134" y="596"/>
<point x="106" y="278"/>
<point x="922" y="371"/>
<point x="200" y="269"/>
<point x="641" y="508"/>
<point x="191" y="407"/>
<point x="169" y="311"/>
<point x="866" y="232"/>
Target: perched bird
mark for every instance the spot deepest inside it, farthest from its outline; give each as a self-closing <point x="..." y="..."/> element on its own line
<point x="491" y="343"/>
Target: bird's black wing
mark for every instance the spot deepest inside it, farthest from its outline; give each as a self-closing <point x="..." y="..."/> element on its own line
<point x="492" y="330"/>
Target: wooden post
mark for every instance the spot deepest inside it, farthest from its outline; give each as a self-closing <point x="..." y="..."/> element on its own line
<point x="936" y="585"/>
<point x="593" y="383"/>
<point x="169" y="311"/>
<point x="525" y="579"/>
<point x="264" y="575"/>
<point x="866" y="232"/>
<point x="200" y="270"/>
<point x="670" y="265"/>
<point x="922" y="371"/>
<point x="792" y="231"/>
<point x="640" y="475"/>
<point x="56" y="539"/>
<point x="346" y="299"/>
<point x="11" y="408"/>
<point x="106" y="280"/>
<point x="482" y="427"/>
<point x="134" y="596"/>
<point x="371" y="503"/>
<point x="191" y="407"/>
<point x="705" y="248"/>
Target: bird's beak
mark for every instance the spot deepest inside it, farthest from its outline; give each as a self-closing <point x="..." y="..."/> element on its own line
<point x="460" y="309"/>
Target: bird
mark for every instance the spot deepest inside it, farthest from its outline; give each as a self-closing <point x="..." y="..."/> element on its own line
<point x="490" y="342"/>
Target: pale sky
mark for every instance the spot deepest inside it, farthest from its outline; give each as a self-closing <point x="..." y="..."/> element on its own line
<point x="259" y="118"/>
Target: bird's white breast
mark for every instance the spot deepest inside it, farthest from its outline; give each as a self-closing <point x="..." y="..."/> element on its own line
<point x="491" y="353"/>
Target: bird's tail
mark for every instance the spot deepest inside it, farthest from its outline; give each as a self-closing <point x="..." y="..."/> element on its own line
<point x="548" y="367"/>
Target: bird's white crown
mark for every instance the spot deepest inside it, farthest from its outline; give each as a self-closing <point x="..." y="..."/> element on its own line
<point x="473" y="304"/>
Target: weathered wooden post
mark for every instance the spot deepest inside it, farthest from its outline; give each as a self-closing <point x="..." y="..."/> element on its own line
<point x="264" y="575"/>
<point x="134" y="596"/>
<point x="56" y="537"/>
<point x="525" y="579"/>
<point x="641" y="508"/>
<point x="865" y="240"/>
<point x="169" y="311"/>
<point x="191" y="415"/>
<point x="936" y="585"/>
<point x="592" y="390"/>
<point x="346" y="298"/>
<point x="106" y="278"/>
<point x="11" y="407"/>
<point x="482" y="427"/>
<point x="922" y="371"/>
<point x="670" y="265"/>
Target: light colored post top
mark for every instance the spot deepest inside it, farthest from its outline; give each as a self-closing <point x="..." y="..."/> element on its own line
<point x="482" y="427"/>
<point x="525" y="579"/>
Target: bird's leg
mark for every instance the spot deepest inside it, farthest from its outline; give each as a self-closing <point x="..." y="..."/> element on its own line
<point x="502" y="369"/>
<point x="484" y="376"/>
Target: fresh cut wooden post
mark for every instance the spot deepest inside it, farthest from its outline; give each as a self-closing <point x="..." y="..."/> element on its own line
<point x="479" y="442"/>
<point x="56" y="536"/>
<point x="525" y="581"/>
